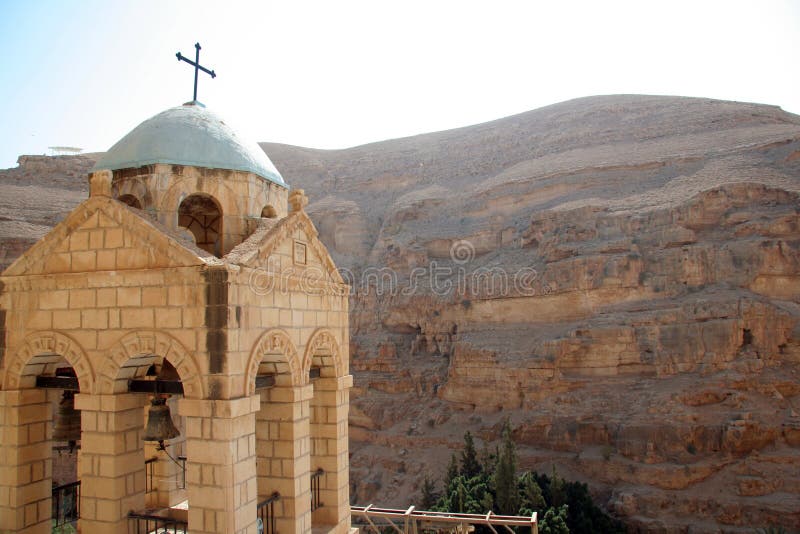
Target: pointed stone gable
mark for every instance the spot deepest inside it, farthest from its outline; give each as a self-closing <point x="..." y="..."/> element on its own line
<point x="291" y="247"/>
<point x="104" y="235"/>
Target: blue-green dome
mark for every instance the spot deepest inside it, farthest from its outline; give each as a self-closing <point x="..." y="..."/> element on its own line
<point x="188" y="135"/>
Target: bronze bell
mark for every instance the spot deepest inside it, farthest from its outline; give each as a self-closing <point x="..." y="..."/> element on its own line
<point x="67" y="426"/>
<point x="159" y="423"/>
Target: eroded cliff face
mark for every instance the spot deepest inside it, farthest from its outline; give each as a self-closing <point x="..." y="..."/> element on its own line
<point x="618" y="275"/>
<point x="657" y="357"/>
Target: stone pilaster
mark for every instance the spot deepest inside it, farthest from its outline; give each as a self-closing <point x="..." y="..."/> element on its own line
<point x="112" y="470"/>
<point x="221" y="464"/>
<point x="329" y="450"/>
<point x="283" y="448"/>
<point x="25" y="462"/>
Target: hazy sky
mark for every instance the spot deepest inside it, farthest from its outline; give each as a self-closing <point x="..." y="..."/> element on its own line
<point x="338" y="73"/>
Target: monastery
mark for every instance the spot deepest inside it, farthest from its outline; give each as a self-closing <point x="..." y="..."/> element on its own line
<point x="189" y="313"/>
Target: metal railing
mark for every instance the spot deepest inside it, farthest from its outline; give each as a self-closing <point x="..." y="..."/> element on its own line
<point x="265" y="514"/>
<point x="139" y="523"/>
<point x="316" y="478"/>
<point x="150" y="474"/>
<point x="66" y="505"/>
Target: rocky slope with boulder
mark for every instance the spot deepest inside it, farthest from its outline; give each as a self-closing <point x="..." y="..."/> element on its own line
<point x="619" y="275"/>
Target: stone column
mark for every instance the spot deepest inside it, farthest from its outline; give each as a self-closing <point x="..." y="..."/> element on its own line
<point x="221" y="465"/>
<point x="282" y="437"/>
<point x="329" y="450"/>
<point x="25" y="461"/>
<point x="111" y="468"/>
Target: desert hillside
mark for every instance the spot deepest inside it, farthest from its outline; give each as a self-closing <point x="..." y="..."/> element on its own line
<point x="619" y="275"/>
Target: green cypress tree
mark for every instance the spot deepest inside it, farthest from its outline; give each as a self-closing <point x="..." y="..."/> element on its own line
<point x="505" y="475"/>
<point x="487" y="459"/>
<point x="460" y="496"/>
<point x="470" y="467"/>
<point x="452" y="473"/>
<point x="429" y="495"/>
<point x="531" y="497"/>
<point x="558" y="494"/>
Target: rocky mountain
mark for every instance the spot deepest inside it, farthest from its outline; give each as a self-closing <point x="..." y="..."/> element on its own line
<point x="35" y="196"/>
<point x="619" y="275"/>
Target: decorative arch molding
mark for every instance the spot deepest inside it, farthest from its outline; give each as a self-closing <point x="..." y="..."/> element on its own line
<point x="322" y="350"/>
<point x="135" y="352"/>
<point x="42" y="349"/>
<point x="186" y="186"/>
<point x="130" y="200"/>
<point x="134" y="187"/>
<point x="275" y="351"/>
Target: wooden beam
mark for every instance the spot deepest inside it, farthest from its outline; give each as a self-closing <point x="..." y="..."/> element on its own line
<point x="58" y="382"/>
<point x="265" y="381"/>
<point x="171" y="387"/>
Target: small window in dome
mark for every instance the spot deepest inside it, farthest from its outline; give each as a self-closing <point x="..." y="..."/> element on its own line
<point x="268" y="212"/>
<point x="202" y="216"/>
<point x="131" y="201"/>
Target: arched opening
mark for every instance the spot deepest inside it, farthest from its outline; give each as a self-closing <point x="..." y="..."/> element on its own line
<point x="268" y="212"/>
<point x="160" y="463"/>
<point x="281" y="429"/>
<point x="328" y="430"/>
<point x="131" y="201"/>
<point x="66" y="439"/>
<point x="202" y="216"/>
<point x="66" y="427"/>
<point x="144" y="365"/>
<point x="46" y="430"/>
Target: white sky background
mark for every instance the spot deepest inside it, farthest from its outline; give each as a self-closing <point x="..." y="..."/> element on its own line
<point x="333" y="74"/>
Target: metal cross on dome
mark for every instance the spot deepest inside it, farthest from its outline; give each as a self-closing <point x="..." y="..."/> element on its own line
<point x="197" y="67"/>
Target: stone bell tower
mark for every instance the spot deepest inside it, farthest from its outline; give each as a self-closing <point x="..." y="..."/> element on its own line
<point x="190" y="274"/>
